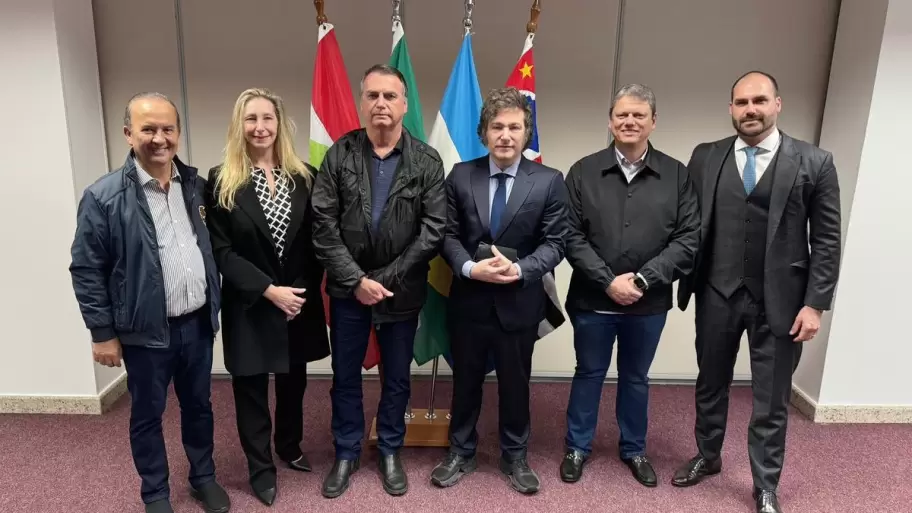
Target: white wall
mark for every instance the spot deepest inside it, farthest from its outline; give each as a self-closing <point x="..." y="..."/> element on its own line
<point x="85" y="126"/>
<point x="45" y="347"/>
<point x="137" y="51"/>
<point x="575" y="54"/>
<point x="869" y="350"/>
<point x="845" y="121"/>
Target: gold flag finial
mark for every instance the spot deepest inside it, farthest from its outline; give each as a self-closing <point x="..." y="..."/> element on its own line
<point x="532" y="26"/>
<point x="321" y="16"/>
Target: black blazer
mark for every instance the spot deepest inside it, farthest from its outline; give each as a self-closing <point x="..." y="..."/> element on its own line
<point x="535" y="225"/>
<point x="804" y="211"/>
<point x="256" y="336"/>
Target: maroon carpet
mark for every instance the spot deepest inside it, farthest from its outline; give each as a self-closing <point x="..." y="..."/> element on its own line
<point x="82" y="463"/>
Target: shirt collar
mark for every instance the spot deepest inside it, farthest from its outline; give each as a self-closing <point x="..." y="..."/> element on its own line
<point x="397" y="149"/>
<point x="610" y="158"/>
<point x="145" y="177"/>
<point x="640" y="162"/>
<point x="769" y="144"/>
<point x="514" y="167"/>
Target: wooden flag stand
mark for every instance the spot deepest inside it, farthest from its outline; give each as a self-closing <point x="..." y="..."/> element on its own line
<point x="423" y="427"/>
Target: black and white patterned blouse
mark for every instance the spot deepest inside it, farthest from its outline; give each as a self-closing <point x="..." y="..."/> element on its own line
<point x="277" y="209"/>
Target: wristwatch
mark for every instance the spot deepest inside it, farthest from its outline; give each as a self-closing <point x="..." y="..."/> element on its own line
<point x="640" y="282"/>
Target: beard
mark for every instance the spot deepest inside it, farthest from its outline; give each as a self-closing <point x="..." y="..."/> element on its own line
<point x="762" y="124"/>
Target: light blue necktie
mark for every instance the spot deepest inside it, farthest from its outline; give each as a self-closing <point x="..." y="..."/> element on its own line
<point x="500" y="202"/>
<point x="750" y="169"/>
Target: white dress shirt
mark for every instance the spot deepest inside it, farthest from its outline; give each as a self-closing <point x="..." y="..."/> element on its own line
<point x="766" y="150"/>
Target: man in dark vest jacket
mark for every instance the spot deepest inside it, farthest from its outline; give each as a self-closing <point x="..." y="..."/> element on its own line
<point x="765" y="198"/>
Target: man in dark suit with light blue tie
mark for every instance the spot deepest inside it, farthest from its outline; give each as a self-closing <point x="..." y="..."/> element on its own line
<point x="506" y="225"/>
<point x="768" y="264"/>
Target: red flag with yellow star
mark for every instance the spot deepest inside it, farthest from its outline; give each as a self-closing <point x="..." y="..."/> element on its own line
<point x="523" y="78"/>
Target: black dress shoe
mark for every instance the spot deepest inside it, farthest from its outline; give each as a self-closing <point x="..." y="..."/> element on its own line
<point x="395" y="481"/>
<point x="642" y="470"/>
<point x="449" y="471"/>
<point x="159" y="506"/>
<point x="213" y="497"/>
<point x="522" y="477"/>
<point x="337" y="480"/>
<point x="767" y="501"/>
<point x="267" y="496"/>
<point x="695" y="470"/>
<point x="301" y="464"/>
<point x="571" y="468"/>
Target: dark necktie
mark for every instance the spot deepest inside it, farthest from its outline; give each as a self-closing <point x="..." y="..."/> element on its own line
<point x="500" y="202"/>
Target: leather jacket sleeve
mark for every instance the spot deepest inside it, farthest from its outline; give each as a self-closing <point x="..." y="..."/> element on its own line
<point x="329" y="247"/>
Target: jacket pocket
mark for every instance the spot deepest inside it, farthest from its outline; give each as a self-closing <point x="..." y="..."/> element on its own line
<point x="120" y="310"/>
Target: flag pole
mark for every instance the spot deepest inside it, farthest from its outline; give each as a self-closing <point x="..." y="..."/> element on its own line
<point x="397" y="20"/>
<point x="430" y="415"/>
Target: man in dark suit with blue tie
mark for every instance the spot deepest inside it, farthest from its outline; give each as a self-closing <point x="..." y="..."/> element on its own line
<point x="506" y="225"/>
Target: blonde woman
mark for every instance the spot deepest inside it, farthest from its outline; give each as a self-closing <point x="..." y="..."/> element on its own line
<point x="272" y="310"/>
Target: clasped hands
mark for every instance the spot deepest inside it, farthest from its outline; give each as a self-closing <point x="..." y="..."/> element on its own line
<point x="497" y="269"/>
<point x="622" y="290"/>
<point x="286" y="299"/>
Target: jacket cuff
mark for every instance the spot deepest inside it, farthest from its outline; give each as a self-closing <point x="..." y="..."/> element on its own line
<point x="356" y="282"/>
<point x="820" y="303"/>
<point x="103" y="334"/>
<point x="605" y="282"/>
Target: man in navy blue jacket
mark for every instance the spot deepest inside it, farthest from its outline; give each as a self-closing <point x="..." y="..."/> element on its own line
<point x="148" y="289"/>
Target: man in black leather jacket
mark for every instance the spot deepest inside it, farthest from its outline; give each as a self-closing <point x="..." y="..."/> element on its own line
<point x="379" y="216"/>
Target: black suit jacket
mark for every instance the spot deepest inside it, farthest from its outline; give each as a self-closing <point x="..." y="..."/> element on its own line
<point x="534" y="225"/>
<point x="256" y="336"/>
<point x="803" y="243"/>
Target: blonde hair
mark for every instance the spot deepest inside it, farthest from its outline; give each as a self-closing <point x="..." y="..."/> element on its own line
<point x="236" y="165"/>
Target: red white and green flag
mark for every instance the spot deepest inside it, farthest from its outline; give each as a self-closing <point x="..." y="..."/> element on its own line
<point x="332" y="115"/>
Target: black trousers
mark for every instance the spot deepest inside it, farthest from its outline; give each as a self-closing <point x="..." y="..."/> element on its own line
<point x="720" y="323"/>
<point x="471" y="343"/>
<point x="251" y="403"/>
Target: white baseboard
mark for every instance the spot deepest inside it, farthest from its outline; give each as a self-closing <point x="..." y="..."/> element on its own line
<point x="849" y="413"/>
<point x="66" y="404"/>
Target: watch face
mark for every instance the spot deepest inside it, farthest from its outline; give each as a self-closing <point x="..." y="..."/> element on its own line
<point x="639" y="283"/>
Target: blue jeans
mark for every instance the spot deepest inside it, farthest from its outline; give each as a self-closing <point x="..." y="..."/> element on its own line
<point x="593" y="338"/>
<point x="350" y="324"/>
<point x="188" y="361"/>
